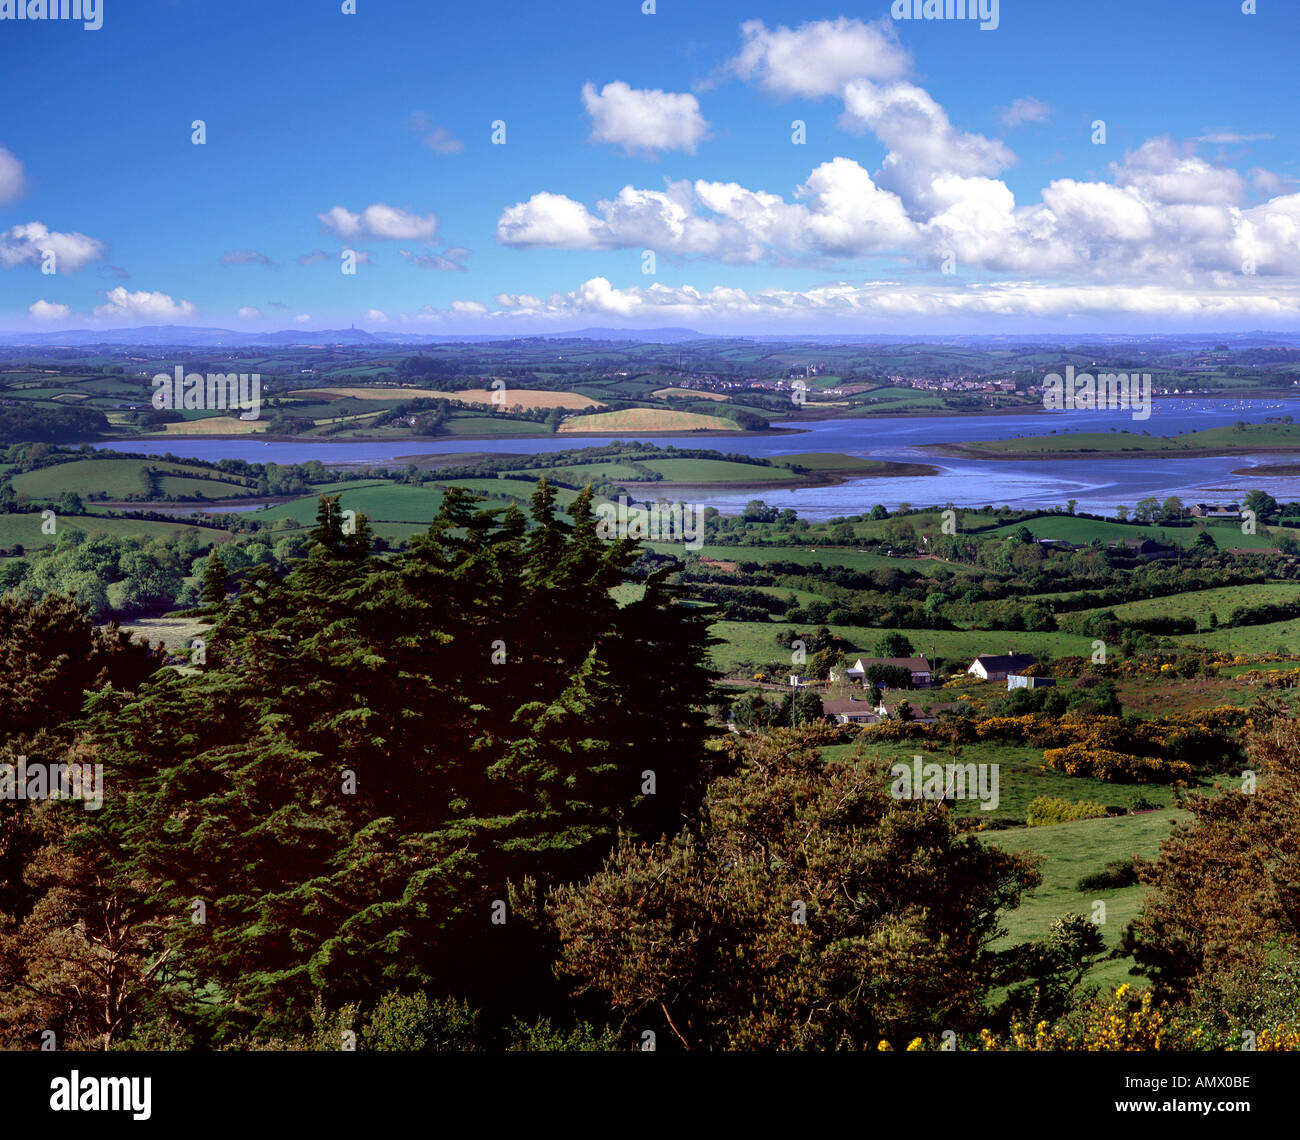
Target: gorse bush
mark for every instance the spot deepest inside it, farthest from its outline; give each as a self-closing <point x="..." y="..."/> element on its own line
<point x="1044" y="810"/>
<point x="1105" y="764"/>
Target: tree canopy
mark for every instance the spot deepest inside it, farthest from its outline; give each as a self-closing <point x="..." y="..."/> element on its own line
<point x="380" y="751"/>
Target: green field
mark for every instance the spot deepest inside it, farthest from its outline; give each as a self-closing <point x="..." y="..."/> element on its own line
<point x="497" y="491"/>
<point x="716" y="471"/>
<point x="1071" y="528"/>
<point x="825" y="461"/>
<point x="806" y="556"/>
<point x="1266" y="638"/>
<point x="25" y="529"/>
<point x="581" y="473"/>
<point x="177" y="634"/>
<point x="1200" y="604"/>
<point x="647" y="420"/>
<point x="379" y="502"/>
<point x="895" y="399"/>
<point x="491" y="425"/>
<point x="705" y="472"/>
<point x="1221" y="439"/>
<point x="1020" y="776"/>
<point x="754" y="643"/>
<point x="395" y="511"/>
<point x="120" y="477"/>
<point x="1070" y="851"/>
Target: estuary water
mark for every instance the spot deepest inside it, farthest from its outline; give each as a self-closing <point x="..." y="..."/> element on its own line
<point x="1098" y="484"/>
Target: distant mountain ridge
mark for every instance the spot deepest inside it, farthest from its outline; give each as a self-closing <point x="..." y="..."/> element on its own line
<point x="185" y="336"/>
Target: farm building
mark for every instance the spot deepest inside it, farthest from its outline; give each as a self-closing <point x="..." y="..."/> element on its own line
<point x="1202" y="511"/>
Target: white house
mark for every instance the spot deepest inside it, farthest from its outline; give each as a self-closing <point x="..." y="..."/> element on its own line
<point x="994" y="667"/>
<point x="919" y="667"/>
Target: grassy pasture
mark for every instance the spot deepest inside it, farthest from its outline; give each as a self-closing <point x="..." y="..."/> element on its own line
<point x="389" y="503"/>
<point x="1199" y="604"/>
<point x="893" y="400"/>
<point x="1222" y="439"/>
<point x="509" y="397"/>
<point x="754" y="643"/>
<point x="586" y="472"/>
<point x="495" y="490"/>
<point x="213" y="425"/>
<point x="203" y="488"/>
<point x="691" y="471"/>
<point x="379" y="502"/>
<point x="118" y="477"/>
<point x="824" y="461"/>
<point x="176" y="634"/>
<point x="1020" y="776"/>
<point x="25" y="529"/>
<point x="1069" y="851"/>
<point x="489" y="425"/>
<point x="1071" y="528"/>
<point x="1065" y="852"/>
<point x="333" y="409"/>
<point x="826" y="555"/>
<point x="1284" y="635"/>
<point x="644" y="420"/>
<point x="1166" y="695"/>
<point x="689" y="393"/>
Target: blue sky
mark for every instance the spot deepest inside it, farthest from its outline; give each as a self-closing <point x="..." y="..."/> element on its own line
<point x="930" y="144"/>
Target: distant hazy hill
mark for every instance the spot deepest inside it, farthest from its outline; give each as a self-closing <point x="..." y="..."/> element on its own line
<point x="661" y="336"/>
<point x="186" y="335"/>
<point x="191" y="336"/>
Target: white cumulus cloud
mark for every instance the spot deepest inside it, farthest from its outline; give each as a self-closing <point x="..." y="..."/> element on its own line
<point x="921" y="140"/>
<point x="1162" y="223"/>
<point x="1162" y="171"/>
<point x="885" y="301"/>
<point x="644" y="120"/>
<point x="48" y="311"/>
<point x="818" y="58"/>
<point x="26" y="243"/>
<point x="149" y="306"/>
<point x="380" y="221"/>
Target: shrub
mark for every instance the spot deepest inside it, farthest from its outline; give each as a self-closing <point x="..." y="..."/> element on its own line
<point x="1116" y="874"/>
<point x="1044" y="810"/>
<point x="1104" y="764"/>
<point x="543" y="1037"/>
<point x="416" y="1024"/>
